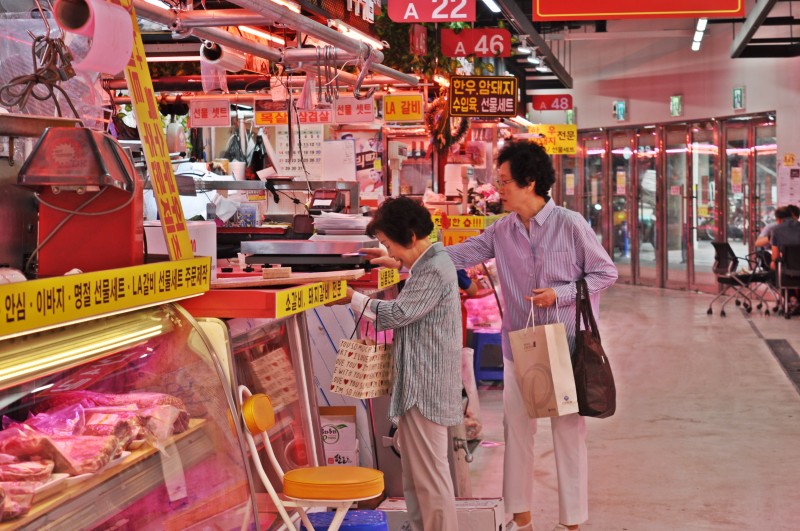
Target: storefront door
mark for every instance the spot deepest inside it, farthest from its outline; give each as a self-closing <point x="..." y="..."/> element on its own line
<point x="593" y="190"/>
<point x="678" y="200"/>
<point x="737" y="189"/>
<point x="621" y="206"/>
<point x="765" y="196"/>
<point x="704" y="167"/>
<point x="646" y="270"/>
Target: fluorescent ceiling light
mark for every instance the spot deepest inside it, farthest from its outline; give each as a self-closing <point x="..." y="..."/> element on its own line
<point x="701" y="24"/>
<point x="534" y="60"/>
<point x="157" y="4"/>
<point x="543" y="68"/>
<point x="695" y="46"/>
<point x="519" y="120"/>
<point x="698" y="36"/>
<point x="524" y="49"/>
<point x="356" y="34"/>
<point x="263" y="35"/>
<point x="493" y="7"/>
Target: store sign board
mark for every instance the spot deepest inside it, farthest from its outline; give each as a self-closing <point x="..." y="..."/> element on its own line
<point x="350" y="110"/>
<point x="544" y="10"/>
<point x="484" y="42"/>
<point x="302" y="298"/>
<point x="154" y="142"/>
<point x="480" y="96"/>
<point x="210" y="113"/>
<point x="388" y="276"/>
<point x="268" y="112"/>
<point x="552" y="102"/>
<point x="460" y="222"/>
<point x="432" y="10"/>
<point x="402" y="108"/>
<point x="49" y="302"/>
<point x="453" y="237"/>
<point x="556" y="139"/>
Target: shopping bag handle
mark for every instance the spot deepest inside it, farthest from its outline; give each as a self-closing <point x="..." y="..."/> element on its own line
<point x="531" y="319"/>
<point x="583" y="310"/>
<point x="375" y="326"/>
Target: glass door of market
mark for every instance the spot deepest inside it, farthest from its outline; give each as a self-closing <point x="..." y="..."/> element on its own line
<point x="621" y="170"/>
<point x="646" y="268"/>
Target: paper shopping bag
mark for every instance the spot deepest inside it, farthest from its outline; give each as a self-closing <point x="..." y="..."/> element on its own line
<point x="363" y="368"/>
<point x="544" y="370"/>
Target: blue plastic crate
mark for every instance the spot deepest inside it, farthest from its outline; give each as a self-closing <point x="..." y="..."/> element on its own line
<point x="364" y="520"/>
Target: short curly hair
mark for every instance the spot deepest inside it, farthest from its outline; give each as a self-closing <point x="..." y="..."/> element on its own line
<point x="401" y="218"/>
<point x="530" y="163"/>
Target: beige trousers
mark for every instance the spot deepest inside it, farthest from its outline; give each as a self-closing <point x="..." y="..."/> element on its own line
<point x="427" y="485"/>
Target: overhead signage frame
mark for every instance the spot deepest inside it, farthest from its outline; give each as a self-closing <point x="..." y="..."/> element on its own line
<point x="550" y="10"/>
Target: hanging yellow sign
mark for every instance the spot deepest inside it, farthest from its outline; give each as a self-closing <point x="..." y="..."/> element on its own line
<point x="48" y="302"/>
<point x="556" y="139"/>
<point x="388" y="277"/>
<point x="402" y="108"/>
<point x="156" y="152"/>
<point x="302" y="298"/>
<point x="452" y="237"/>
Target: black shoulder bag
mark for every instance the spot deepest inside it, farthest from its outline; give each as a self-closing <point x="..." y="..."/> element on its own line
<point x="594" y="382"/>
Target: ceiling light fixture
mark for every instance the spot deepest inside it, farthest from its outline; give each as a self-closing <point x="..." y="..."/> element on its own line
<point x="524" y="49"/>
<point x="519" y="120"/>
<point x="534" y="60"/>
<point x="263" y="35"/>
<point x="356" y="34"/>
<point x="700" y="29"/>
<point x="543" y="68"/>
<point x="493" y="7"/>
<point x="156" y="3"/>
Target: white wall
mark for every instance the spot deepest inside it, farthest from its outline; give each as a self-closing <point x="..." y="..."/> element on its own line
<point x="647" y="71"/>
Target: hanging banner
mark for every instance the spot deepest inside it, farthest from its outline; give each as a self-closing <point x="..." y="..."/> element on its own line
<point x="209" y="113"/>
<point x="154" y="142"/>
<point x="350" y="110"/>
<point x="547" y="10"/>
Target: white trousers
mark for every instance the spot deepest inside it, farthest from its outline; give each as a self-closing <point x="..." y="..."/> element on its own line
<point x="569" y="444"/>
<point x="427" y="485"/>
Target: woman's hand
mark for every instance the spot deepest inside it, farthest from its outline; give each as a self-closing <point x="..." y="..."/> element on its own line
<point x="379" y="257"/>
<point x="346" y="300"/>
<point x="543" y="297"/>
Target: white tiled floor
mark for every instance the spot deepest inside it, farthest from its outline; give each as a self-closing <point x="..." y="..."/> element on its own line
<point x="707" y="430"/>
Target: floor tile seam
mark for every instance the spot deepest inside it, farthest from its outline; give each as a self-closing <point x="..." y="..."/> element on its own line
<point x="782" y="350"/>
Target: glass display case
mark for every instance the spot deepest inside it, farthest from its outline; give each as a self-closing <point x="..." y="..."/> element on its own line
<point x="122" y="422"/>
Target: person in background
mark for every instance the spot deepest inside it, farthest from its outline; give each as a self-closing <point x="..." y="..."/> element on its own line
<point x="541" y="250"/>
<point x="765" y="236"/>
<point x="468" y="289"/>
<point x="426" y="392"/>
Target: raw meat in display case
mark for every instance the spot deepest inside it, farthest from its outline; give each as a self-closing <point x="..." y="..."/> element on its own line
<point x="121" y="422"/>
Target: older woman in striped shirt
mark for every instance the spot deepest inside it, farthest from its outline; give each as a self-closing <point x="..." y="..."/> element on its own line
<point x="426" y="393"/>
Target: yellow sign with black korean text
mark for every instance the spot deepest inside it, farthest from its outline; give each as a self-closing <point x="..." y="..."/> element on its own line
<point x="388" y="277"/>
<point x="556" y="139"/>
<point x="156" y="152"/>
<point x="49" y="302"/>
<point x="402" y="108"/>
<point x="459" y="222"/>
<point x="295" y="300"/>
<point x="452" y="237"/>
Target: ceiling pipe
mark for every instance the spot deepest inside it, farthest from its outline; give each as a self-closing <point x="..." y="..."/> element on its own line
<point x="326" y="34"/>
<point x="222" y="37"/>
<point x="185" y="83"/>
<point x="218" y="17"/>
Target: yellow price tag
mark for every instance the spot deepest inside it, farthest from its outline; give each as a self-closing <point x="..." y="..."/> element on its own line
<point x="388" y="277"/>
<point x="55" y="301"/>
<point x="302" y="298"/>
<point x="156" y="152"/>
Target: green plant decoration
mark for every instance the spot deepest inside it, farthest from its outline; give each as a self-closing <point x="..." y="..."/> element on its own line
<point x="437" y="123"/>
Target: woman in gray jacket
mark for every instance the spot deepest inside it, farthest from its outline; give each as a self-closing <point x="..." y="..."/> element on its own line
<point x="426" y="392"/>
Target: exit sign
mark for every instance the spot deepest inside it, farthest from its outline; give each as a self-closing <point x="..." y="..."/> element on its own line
<point x="552" y="102"/>
<point x="676" y="105"/>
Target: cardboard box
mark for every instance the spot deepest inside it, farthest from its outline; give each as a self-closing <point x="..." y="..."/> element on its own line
<point x="338" y="424"/>
<point x="249" y="214"/>
<point x="203" y="235"/>
<point x="474" y="514"/>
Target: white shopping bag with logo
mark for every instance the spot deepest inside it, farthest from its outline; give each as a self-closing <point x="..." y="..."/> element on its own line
<point x="544" y="369"/>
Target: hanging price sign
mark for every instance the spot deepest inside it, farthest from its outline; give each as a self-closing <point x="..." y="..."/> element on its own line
<point x="432" y="10"/>
<point x="552" y="102"/>
<point x="485" y="42"/>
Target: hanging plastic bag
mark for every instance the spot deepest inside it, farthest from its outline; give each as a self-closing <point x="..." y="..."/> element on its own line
<point x="233" y="151"/>
<point x="258" y="160"/>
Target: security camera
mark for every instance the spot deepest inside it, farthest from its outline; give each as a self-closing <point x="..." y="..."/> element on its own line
<point x="225" y="58"/>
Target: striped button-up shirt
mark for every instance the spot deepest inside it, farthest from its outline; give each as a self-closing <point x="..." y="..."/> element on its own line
<point x="554" y="251"/>
<point x="426" y="318"/>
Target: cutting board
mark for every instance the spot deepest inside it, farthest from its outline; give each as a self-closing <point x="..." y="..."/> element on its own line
<point x="295" y="279"/>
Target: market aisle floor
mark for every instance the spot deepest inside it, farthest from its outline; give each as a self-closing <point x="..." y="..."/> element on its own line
<point x="707" y="429"/>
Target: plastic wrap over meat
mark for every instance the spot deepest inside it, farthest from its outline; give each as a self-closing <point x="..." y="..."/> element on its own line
<point x="92" y="399"/>
<point x="68" y="420"/>
<point x="26" y="470"/>
<point x="75" y="454"/>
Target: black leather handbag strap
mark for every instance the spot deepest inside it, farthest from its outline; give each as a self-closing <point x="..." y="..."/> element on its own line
<point x="583" y="310"/>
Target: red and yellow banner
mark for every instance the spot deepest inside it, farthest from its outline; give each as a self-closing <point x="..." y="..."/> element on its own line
<point x="545" y="10"/>
<point x="156" y="152"/>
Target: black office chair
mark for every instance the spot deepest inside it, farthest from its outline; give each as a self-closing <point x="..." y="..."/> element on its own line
<point x="762" y="282"/>
<point x="735" y="283"/>
<point x="788" y="275"/>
